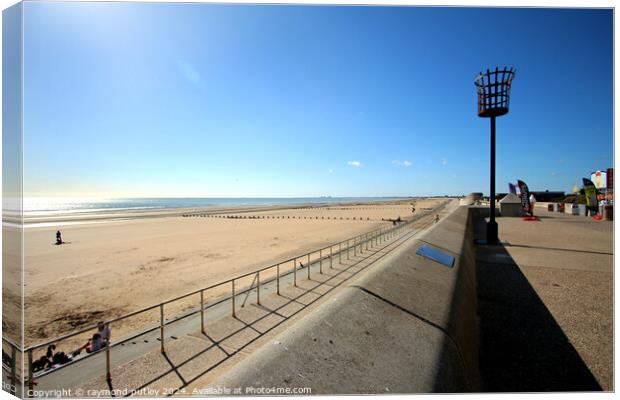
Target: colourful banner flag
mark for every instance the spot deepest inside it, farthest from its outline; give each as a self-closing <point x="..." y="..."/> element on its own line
<point x="525" y="196"/>
<point x="512" y="188"/>
<point x="591" y="193"/>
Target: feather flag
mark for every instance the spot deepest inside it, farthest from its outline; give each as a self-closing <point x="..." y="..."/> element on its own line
<point x="525" y="196"/>
<point x="591" y="193"/>
<point x="512" y="188"/>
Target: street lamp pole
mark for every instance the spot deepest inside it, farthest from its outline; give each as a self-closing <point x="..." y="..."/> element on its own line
<point x="493" y="89"/>
<point x="492" y="231"/>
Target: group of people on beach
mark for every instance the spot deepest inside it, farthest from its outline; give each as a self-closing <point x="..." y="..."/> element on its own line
<point x="53" y="358"/>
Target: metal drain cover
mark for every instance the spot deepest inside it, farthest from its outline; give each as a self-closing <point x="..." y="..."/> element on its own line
<point x="436" y="255"/>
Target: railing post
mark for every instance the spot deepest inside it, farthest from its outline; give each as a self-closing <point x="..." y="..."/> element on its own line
<point x="295" y="272"/>
<point x="258" y="288"/>
<point x="331" y="254"/>
<point x="202" y="311"/>
<point x="13" y="370"/>
<point x="320" y="261"/>
<point x="30" y="381"/>
<point x="233" y="298"/>
<point x="348" y="249"/>
<point x="355" y="246"/>
<point x="108" y="369"/>
<point x="308" y="266"/>
<point x="161" y="327"/>
<point x="366" y="240"/>
<point x="278" y="279"/>
<point x="340" y="252"/>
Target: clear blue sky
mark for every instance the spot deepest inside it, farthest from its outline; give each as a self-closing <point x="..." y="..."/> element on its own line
<point x="224" y="100"/>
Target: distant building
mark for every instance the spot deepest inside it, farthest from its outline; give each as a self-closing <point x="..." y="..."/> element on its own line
<point x="547" y="195"/>
<point x="540" y="196"/>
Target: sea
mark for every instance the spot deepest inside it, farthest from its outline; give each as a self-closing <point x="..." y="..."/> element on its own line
<point x="48" y="206"/>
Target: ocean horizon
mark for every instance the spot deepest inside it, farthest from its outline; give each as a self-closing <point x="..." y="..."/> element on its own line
<point x="60" y="205"/>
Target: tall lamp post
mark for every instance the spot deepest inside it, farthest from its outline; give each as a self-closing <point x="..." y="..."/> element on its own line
<point x="493" y="88"/>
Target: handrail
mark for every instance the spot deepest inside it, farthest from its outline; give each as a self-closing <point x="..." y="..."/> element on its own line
<point x="10" y="342"/>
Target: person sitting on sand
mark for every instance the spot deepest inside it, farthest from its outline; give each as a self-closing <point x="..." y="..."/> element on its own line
<point x="58" y="238"/>
<point x="57" y="357"/>
<point x="95" y="343"/>
<point x="50" y="351"/>
<point x="104" y="331"/>
<point x="40" y="364"/>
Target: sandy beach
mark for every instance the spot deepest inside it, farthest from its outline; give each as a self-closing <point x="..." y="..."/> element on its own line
<point x="105" y="270"/>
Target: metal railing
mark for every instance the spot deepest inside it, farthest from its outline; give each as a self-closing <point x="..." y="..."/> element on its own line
<point x="11" y="369"/>
<point x="343" y="248"/>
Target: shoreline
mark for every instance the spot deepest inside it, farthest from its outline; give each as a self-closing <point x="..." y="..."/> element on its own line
<point x="75" y="217"/>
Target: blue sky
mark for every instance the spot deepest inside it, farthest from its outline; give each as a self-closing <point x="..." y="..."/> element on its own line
<point x="225" y="100"/>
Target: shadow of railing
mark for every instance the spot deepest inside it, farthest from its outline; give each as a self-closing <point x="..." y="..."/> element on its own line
<point x="333" y="278"/>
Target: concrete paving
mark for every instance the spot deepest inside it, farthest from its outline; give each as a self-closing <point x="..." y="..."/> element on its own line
<point x="546" y="305"/>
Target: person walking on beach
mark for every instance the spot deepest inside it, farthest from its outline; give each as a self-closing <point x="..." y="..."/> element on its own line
<point x="58" y="238"/>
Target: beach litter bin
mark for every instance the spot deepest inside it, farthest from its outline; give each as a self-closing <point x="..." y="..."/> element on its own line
<point x="575" y="209"/>
<point x="549" y="207"/>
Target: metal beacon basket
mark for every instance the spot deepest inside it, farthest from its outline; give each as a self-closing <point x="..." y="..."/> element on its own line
<point x="493" y="88"/>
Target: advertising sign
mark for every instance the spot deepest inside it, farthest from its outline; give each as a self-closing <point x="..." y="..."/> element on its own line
<point x="599" y="179"/>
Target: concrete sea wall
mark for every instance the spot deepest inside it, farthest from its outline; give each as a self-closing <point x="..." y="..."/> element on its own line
<point x="409" y="325"/>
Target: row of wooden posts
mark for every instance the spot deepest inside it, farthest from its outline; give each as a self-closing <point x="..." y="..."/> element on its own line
<point x="271" y="217"/>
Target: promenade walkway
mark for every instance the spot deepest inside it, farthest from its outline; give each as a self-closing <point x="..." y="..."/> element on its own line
<point x="546" y="305"/>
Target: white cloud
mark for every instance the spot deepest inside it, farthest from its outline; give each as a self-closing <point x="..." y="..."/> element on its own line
<point x="331" y="171"/>
<point x="404" y="163"/>
<point x="444" y="161"/>
<point x="355" y="164"/>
